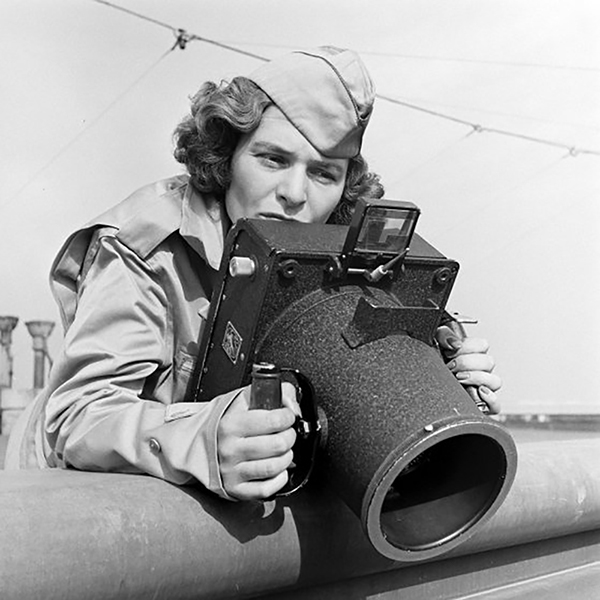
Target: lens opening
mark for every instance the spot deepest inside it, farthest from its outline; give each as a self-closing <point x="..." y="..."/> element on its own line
<point x="442" y="492"/>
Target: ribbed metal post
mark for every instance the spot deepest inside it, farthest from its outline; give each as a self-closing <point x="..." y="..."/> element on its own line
<point x="7" y="324"/>
<point x="39" y="331"/>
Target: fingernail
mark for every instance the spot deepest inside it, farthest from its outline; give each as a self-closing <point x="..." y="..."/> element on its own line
<point x="485" y="390"/>
<point x="463" y="376"/>
<point x="454" y="343"/>
<point x="451" y="365"/>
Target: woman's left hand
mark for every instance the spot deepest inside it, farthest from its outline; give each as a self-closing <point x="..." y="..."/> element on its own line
<point x="472" y="365"/>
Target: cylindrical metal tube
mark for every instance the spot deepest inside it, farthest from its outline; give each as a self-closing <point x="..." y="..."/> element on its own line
<point x="39" y="331"/>
<point x="68" y="535"/>
<point x="407" y="448"/>
<point x="7" y="324"/>
<point x="39" y="368"/>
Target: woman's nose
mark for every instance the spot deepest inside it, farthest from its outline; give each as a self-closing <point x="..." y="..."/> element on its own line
<point x="292" y="189"/>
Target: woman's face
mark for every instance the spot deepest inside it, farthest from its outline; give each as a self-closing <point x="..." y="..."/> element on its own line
<point x="277" y="174"/>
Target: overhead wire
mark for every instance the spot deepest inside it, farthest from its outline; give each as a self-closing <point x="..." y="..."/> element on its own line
<point x="135" y="14"/>
<point x="542" y="222"/>
<point x="501" y="63"/>
<point x="497" y="113"/>
<point x="89" y="125"/>
<point x="479" y="61"/>
<point x="495" y="199"/>
<point x="184" y="37"/>
<point x="573" y="150"/>
<point x="415" y="169"/>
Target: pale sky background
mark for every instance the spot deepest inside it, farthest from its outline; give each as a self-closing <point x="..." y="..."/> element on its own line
<point x="79" y="131"/>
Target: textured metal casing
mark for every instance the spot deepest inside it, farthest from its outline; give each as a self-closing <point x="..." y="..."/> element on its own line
<point x="291" y="261"/>
<point x="406" y="447"/>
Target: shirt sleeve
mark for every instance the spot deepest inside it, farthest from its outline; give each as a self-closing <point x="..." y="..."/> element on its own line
<point x="100" y="414"/>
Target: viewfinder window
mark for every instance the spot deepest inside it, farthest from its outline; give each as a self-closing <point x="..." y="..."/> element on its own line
<point x="386" y="230"/>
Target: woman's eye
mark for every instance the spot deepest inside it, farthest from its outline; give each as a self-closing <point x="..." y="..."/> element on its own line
<point x="273" y="160"/>
<point x="325" y="176"/>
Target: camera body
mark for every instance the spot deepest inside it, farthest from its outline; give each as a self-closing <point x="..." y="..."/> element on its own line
<point x="293" y="260"/>
<point x="353" y="312"/>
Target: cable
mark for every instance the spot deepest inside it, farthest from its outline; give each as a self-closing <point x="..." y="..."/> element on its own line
<point x="93" y="122"/>
<point x="486" y="111"/>
<point x="483" y="257"/>
<point x="135" y="14"/>
<point x="183" y="37"/>
<point x="431" y="158"/>
<point x="495" y="199"/>
<point x="486" y="62"/>
<point x="573" y="150"/>
<point x="227" y="47"/>
<point x="428" y="111"/>
<point x="501" y="63"/>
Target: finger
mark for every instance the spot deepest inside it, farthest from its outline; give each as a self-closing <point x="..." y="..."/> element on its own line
<point x="490" y="398"/>
<point x="473" y="345"/>
<point x="448" y="339"/>
<point x="477" y="378"/>
<point x="267" y="468"/>
<point x="472" y="362"/>
<point x="237" y="450"/>
<point x="256" y="490"/>
<point x="249" y="423"/>
<point x="484" y="398"/>
<point x="289" y="398"/>
<point x="474" y="394"/>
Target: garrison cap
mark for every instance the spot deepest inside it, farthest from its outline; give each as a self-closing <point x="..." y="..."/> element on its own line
<point x="326" y="93"/>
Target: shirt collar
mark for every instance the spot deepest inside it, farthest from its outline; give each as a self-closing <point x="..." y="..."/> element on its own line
<point x="204" y="225"/>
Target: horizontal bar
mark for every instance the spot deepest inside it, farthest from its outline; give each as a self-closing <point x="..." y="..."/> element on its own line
<point x="72" y="535"/>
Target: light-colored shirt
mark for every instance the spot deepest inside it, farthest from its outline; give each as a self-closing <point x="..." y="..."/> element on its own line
<point x="133" y="287"/>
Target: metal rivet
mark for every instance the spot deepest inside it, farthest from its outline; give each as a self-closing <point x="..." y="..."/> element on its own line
<point x="288" y="268"/>
<point x="154" y="446"/>
<point x="442" y="276"/>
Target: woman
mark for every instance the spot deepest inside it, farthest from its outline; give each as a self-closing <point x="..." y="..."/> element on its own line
<point x="134" y="285"/>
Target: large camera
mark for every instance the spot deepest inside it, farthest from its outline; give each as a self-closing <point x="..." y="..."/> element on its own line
<point x="351" y="313"/>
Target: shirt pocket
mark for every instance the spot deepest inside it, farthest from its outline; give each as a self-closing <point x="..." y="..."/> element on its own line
<point x="185" y="362"/>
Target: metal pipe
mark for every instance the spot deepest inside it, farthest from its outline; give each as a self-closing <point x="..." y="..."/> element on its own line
<point x="7" y="324"/>
<point x="71" y="535"/>
<point x="39" y="331"/>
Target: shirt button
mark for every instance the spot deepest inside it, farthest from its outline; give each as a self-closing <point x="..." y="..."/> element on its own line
<point x="154" y="445"/>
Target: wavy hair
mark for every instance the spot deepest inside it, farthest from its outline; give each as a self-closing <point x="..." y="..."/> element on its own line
<point x="206" y="139"/>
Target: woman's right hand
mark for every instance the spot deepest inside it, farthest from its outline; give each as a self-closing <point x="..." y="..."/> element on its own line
<point x="255" y="446"/>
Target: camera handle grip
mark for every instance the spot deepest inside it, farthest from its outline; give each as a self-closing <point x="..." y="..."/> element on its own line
<point x="265" y="394"/>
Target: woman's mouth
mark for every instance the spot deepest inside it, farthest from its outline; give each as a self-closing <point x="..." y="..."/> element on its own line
<point x="275" y="217"/>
